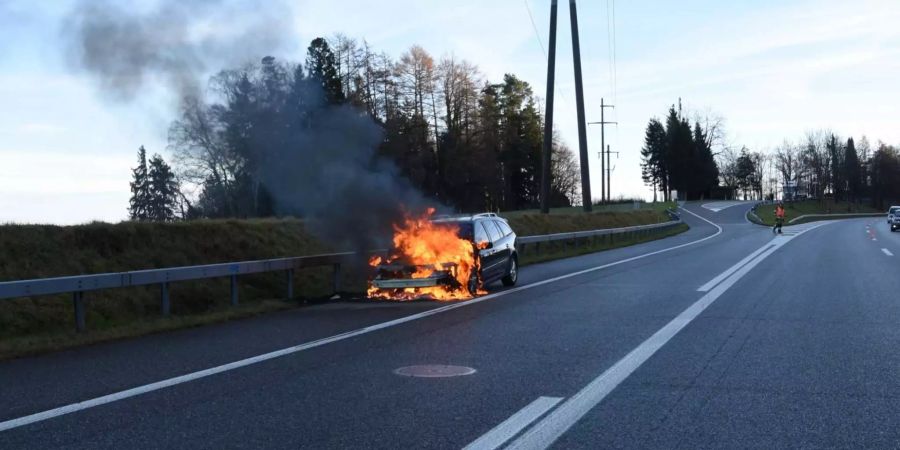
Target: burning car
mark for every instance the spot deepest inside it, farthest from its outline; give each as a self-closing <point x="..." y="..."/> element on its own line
<point x="446" y="258"/>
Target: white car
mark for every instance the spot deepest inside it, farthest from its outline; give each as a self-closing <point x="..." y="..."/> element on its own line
<point x="894" y="211"/>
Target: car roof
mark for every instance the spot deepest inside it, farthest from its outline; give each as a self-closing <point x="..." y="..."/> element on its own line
<point x="467" y="218"/>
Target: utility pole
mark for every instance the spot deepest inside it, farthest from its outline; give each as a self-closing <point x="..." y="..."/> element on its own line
<point x="548" y="117"/>
<point x="603" y="123"/>
<point x="609" y="169"/>
<point x="579" y="103"/>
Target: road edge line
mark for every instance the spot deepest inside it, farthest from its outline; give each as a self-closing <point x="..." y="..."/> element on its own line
<point x="151" y="387"/>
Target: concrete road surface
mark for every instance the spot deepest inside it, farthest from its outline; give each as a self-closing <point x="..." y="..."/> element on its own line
<point x="722" y="337"/>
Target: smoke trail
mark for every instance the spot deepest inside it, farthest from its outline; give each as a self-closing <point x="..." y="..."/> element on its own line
<point x="174" y="43"/>
<point x="330" y="174"/>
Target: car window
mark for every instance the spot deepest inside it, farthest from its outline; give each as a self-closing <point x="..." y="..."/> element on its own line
<point x="480" y="234"/>
<point x="493" y="231"/>
<point x="504" y="228"/>
<point x="465" y="230"/>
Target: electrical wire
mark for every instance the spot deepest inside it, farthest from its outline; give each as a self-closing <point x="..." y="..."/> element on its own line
<point x="540" y="40"/>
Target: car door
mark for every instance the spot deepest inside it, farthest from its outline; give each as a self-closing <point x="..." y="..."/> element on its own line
<point x="491" y="258"/>
<point x="505" y="242"/>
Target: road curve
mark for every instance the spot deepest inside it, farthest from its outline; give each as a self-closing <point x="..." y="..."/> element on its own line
<point x="792" y="343"/>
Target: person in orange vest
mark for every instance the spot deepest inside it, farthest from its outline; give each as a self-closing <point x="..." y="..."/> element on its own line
<point x="779" y="218"/>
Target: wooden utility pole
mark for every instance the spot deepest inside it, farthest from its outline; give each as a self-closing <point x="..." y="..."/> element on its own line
<point x="579" y="104"/>
<point x="546" y="175"/>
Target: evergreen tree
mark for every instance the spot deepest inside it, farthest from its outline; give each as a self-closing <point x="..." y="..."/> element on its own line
<point x="163" y="191"/>
<point x="139" y="204"/>
<point x="680" y="153"/>
<point x="852" y="171"/>
<point x="706" y="173"/>
<point x="836" y="164"/>
<point x="322" y="69"/>
<point x="653" y="158"/>
<point x="746" y="173"/>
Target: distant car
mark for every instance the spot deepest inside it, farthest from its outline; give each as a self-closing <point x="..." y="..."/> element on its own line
<point x="493" y="240"/>
<point x="891" y="214"/>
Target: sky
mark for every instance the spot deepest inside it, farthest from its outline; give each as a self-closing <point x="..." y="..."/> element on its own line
<point x="772" y="69"/>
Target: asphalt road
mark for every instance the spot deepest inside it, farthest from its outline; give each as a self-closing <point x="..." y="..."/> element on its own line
<point x="722" y="337"/>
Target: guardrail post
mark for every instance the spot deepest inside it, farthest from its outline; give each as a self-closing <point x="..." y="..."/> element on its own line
<point x="164" y="298"/>
<point x="290" y="284"/>
<point x="537" y="248"/>
<point x="234" y="291"/>
<point x="336" y="280"/>
<point x="78" y="300"/>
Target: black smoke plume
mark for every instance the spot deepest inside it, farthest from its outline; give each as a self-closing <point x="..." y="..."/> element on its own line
<point x="330" y="173"/>
<point x="124" y="47"/>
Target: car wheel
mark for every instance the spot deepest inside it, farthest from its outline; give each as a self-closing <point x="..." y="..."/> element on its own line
<point x="512" y="273"/>
<point x="473" y="284"/>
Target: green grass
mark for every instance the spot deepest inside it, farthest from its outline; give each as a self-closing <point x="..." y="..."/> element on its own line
<point x="36" y="324"/>
<point x="796" y="209"/>
<point x="558" y="250"/>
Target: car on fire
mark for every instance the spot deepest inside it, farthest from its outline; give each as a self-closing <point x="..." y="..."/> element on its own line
<point x="494" y="248"/>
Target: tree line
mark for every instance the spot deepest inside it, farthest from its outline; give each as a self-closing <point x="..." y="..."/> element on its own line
<point x="677" y="157"/>
<point x="824" y="165"/>
<point x="457" y="137"/>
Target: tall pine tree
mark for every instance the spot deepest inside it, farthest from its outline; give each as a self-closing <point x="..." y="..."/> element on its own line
<point x="653" y="158"/>
<point x="139" y="204"/>
<point x="322" y="69"/>
<point x="852" y="171"/>
<point x="163" y="191"/>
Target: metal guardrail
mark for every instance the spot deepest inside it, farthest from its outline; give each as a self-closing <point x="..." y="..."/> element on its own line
<point x="837" y="216"/>
<point x="78" y="285"/>
<point x="639" y="230"/>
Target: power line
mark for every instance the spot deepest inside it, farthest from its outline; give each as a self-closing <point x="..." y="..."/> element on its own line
<point x="540" y="40"/>
<point x="534" y="27"/>
<point x="615" y="59"/>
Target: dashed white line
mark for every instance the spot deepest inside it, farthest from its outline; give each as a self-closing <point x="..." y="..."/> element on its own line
<point x="887" y="252"/>
<point x="516" y="423"/>
<point x="140" y="390"/>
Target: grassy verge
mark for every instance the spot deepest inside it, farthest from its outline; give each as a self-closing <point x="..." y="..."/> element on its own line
<point x="561" y="250"/>
<point x="37" y="324"/>
<point x="792" y="210"/>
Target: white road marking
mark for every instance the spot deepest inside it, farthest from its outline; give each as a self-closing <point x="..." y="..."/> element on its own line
<point x="516" y="423"/>
<point x="718" y="279"/>
<point x="887" y="252"/>
<point x="550" y="428"/>
<point x="718" y="206"/>
<point x="139" y="390"/>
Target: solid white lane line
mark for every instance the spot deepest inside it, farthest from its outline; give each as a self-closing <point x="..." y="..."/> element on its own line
<point x="121" y="395"/>
<point x="718" y="279"/>
<point x="887" y="252"/>
<point x="550" y="428"/>
<point x="510" y="427"/>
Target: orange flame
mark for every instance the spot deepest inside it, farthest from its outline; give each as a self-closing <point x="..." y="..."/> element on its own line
<point x="431" y="248"/>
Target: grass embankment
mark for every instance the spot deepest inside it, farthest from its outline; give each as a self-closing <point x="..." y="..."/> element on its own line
<point x="792" y="210"/>
<point x="29" y="325"/>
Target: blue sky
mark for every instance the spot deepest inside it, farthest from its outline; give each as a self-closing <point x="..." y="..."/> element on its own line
<point x="772" y="69"/>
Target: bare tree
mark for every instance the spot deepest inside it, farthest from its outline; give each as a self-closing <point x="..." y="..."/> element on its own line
<point x="713" y="126"/>
<point x="565" y="170"/>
